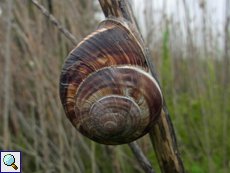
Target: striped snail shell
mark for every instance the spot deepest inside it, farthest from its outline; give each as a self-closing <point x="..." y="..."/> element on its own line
<point x="105" y="88"/>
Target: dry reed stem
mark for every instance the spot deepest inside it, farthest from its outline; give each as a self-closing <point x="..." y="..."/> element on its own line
<point x="55" y="22"/>
<point x="146" y="166"/>
<point x="93" y="160"/>
<point x="6" y="108"/>
<point x="115" y="163"/>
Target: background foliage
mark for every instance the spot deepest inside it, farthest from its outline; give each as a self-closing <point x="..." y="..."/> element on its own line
<point x="192" y="63"/>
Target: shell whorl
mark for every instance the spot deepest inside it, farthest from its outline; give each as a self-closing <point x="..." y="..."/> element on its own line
<point x="105" y="87"/>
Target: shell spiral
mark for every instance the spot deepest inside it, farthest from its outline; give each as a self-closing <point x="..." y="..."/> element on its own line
<point x="105" y="88"/>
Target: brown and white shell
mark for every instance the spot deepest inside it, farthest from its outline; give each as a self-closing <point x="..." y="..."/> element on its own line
<point x="105" y="88"/>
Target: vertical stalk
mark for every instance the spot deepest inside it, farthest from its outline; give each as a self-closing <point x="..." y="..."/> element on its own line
<point x="204" y="114"/>
<point x="93" y="161"/>
<point x="61" y="142"/>
<point x="114" y="159"/>
<point x="39" y="53"/>
<point x="7" y="79"/>
<point x="225" y="84"/>
<point x="35" y="138"/>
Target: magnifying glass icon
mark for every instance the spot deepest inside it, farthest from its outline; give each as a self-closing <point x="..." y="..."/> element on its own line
<point x="9" y="160"/>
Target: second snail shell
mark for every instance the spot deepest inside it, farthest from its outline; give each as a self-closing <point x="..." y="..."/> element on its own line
<point x="105" y="88"/>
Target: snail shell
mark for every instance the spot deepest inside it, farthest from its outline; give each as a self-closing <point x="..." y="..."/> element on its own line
<point x="105" y="88"/>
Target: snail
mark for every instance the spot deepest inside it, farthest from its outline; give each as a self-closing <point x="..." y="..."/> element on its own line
<point x="105" y="87"/>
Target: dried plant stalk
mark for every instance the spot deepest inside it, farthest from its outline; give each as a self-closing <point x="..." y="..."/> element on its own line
<point x="55" y="22"/>
<point x="7" y="79"/>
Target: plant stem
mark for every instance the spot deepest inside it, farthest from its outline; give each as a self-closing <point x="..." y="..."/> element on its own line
<point x="55" y="22"/>
<point x="7" y="79"/>
<point x="146" y="166"/>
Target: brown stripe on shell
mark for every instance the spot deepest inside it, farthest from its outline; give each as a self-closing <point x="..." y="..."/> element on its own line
<point x="92" y="34"/>
<point x="111" y="44"/>
<point x="128" y="82"/>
